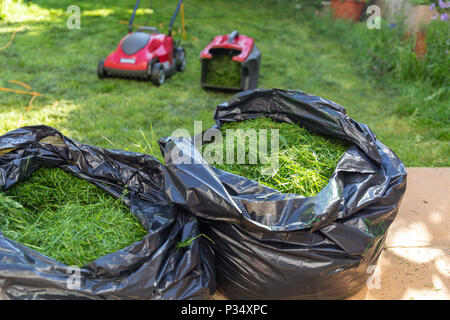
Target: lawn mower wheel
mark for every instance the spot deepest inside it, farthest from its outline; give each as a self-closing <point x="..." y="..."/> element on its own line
<point x="158" y="74"/>
<point x="100" y="69"/>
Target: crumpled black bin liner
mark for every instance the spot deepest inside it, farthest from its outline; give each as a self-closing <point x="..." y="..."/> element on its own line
<point x="280" y="246"/>
<point x="148" y="269"/>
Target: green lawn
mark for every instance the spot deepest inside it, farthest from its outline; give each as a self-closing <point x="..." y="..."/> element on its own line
<point x="132" y="115"/>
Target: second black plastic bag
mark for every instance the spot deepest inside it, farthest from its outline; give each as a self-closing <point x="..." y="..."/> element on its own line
<point x="153" y="268"/>
<point x="270" y="245"/>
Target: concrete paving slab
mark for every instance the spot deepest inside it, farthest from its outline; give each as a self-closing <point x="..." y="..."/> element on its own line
<point x="416" y="261"/>
<point x="409" y="273"/>
<point x="424" y="216"/>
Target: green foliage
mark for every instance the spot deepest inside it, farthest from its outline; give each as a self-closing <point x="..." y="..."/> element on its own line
<point x="422" y="2"/>
<point x="306" y="160"/>
<point x="309" y="3"/>
<point x="188" y="241"/>
<point x="66" y="218"/>
<point x="437" y="63"/>
<point x="398" y="58"/>
<point x="419" y="88"/>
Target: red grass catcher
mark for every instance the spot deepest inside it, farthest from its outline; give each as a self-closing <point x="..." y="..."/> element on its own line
<point x="242" y="50"/>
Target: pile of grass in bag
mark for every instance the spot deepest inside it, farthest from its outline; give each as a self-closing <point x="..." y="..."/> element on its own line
<point x="306" y="161"/>
<point x="66" y="218"/>
<point x="223" y="71"/>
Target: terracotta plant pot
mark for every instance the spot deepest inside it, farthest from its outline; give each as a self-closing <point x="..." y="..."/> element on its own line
<point x="348" y="9"/>
<point x="421" y="45"/>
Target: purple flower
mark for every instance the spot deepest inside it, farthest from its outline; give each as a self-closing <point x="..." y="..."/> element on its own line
<point x="432" y="7"/>
<point x="442" y="4"/>
<point x="444" y="17"/>
<point x="434" y="17"/>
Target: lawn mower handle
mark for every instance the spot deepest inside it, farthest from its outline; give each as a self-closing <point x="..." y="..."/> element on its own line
<point x="174" y="17"/>
<point x="232" y="36"/>
<point x="130" y="24"/>
<point x="148" y="29"/>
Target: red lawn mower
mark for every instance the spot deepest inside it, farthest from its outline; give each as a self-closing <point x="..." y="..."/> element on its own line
<point x="145" y="54"/>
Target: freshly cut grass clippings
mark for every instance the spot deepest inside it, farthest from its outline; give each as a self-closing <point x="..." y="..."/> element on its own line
<point x="66" y="218"/>
<point x="223" y="71"/>
<point x="306" y="160"/>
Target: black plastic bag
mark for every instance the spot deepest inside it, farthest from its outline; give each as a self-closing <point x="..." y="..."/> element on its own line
<point x="270" y="245"/>
<point x="152" y="268"/>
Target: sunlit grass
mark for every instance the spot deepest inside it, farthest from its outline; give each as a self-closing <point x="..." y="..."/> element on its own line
<point x="61" y="64"/>
<point x="20" y="11"/>
<point x="98" y="12"/>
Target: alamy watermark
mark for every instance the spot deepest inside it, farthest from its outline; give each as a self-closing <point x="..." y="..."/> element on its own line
<point x="73" y="282"/>
<point x="249" y="146"/>
<point x="374" y="280"/>
<point x="374" y="17"/>
<point x="74" y="20"/>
